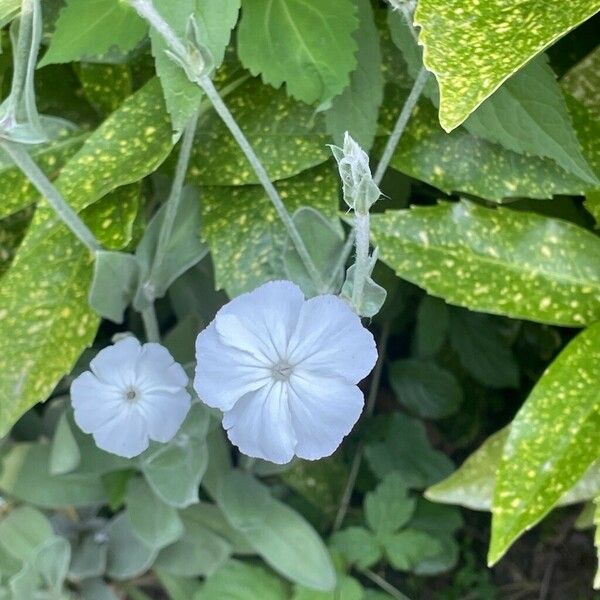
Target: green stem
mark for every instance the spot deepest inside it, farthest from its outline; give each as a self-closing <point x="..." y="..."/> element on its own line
<point x="368" y="413"/>
<point x="60" y="206"/>
<point x="151" y="324"/>
<point x="362" y="233"/>
<point x="174" y="199"/>
<point x="394" y="592"/>
<point x="401" y="123"/>
<point x="147" y="11"/>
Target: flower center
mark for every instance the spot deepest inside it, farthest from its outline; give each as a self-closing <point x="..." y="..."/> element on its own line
<point x="282" y="371"/>
<point x="131" y="395"/>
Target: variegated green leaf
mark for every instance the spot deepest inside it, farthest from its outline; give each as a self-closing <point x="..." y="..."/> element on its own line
<point x="553" y="440"/>
<point x="473" y="47"/>
<point x="285" y="134"/>
<point x="246" y="236"/>
<point x="12" y="231"/>
<point x="500" y="261"/>
<point x="461" y="162"/>
<point x="583" y="82"/>
<point x="105" y="86"/>
<point x="43" y="297"/>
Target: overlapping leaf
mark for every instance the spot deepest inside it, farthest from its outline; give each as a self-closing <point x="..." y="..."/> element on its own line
<point x="45" y="291"/>
<point x="473" y="47"/>
<point x="552" y="441"/>
<point x="516" y="264"/>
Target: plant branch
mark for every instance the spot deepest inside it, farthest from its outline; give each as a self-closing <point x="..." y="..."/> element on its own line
<point x="401" y="123"/>
<point x="384" y="585"/>
<point x="60" y="206"/>
<point x="362" y="234"/>
<point x="151" y="324"/>
<point x="147" y="11"/>
<point x="369" y="408"/>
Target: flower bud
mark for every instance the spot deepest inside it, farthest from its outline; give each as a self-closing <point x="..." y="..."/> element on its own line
<point x="360" y="191"/>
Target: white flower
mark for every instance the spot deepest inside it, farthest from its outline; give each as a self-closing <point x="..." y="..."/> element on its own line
<point x="284" y="371"/>
<point x="132" y="394"/>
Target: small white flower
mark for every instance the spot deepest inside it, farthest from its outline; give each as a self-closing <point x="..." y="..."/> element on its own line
<point x="284" y="371"/>
<point x="132" y="394"/>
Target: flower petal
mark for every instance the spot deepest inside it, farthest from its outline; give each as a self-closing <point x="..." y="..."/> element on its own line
<point x="156" y="369"/>
<point x="94" y="403"/>
<point x="125" y="435"/>
<point x="224" y="374"/>
<point x="164" y="412"/>
<point x="260" y="424"/>
<point x="323" y="410"/>
<point x="269" y="315"/>
<point x="331" y="341"/>
<point x="116" y="364"/>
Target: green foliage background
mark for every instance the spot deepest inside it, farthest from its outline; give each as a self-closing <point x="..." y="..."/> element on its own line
<point x="489" y="252"/>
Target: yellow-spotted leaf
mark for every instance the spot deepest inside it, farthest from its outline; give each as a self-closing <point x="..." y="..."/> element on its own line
<point x="583" y="82"/>
<point x="553" y="440"/>
<point x="244" y="233"/>
<point x="472" y="47"/>
<point x="45" y="321"/>
<point x="500" y="261"/>
<point x="12" y="231"/>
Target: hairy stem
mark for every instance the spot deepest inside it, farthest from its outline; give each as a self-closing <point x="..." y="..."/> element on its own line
<point x="151" y="324"/>
<point x="362" y="232"/>
<point x="174" y="199"/>
<point x="60" y="206"/>
<point x="147" y="11"/>
<point x="369" y="408"/>
<point x="401" y="123"/>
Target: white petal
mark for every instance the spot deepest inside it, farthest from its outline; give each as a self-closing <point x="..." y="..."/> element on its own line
<point x="331" y="341"/>
<point x="116" y="364"/>
<point x="94" y="403"/>
<point x="157" y="369"/>
<point x="260" y="424"/>
<point x="164" y="412"/>
<point x="224" y="374"/>
<point x="125" y="436"/>
<point x="269" y="314"/>
<point x="324" y="410"/>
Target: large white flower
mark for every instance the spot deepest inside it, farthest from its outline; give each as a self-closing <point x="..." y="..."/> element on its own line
<point x="284" y="371"/>
<point x="132" y="394"/>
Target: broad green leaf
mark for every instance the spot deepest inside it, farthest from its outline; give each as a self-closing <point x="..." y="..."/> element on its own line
<point x="425" y="389"/>
<point x="527" y="114"/>
<point x="356" y="109"/>
<point x="389" y="506"/>
<point x="9" y="9"/>
<point x="484" y="259"/>
<point x="132" y="142"/>
<point x="406" y="449"/>
<point x="90" y="28"/>
<point x="285" y="134"/>
<point x="348" y="588"/>
<point x="199" y="552"/>
<point x="552" y="441"/>
<point x="26" y="476"/>
<point x="88" y="558"/>
<point x="583" y="82"/>
<point x="16" y="191"/>
<point x="105" y="87"/>
<point x="128" y="556"/>
<point x="23" y="531"/>
<point x="473" y="47"/>
<point x="245" y="234"/>
<point x="358" y="546"/>
<point x="96" y="589"/>
<point x="64" y="452"/>
<point x="25" y="584"/>
<point x="462" y="162"/>
<point x="307" y="44"/>
<point x="240" y="581"/>
<point x="324" y="242"/>
<point x="592" y="204"/>
<point x="52" y="561"/>
<point x="116" y="277"/>
<point x="178" y="588"/>
<point x="373" y="296"/>
<point x="12" y="232"/>
<point x="215" y="21"/>
<point x="482" y="350"/>
<point x="278" y="534"/>
<point x="183" y="250"/>
<point x="472" y="484"/>
<point x="409" y="547"/>
<point x="432" y="326"/>
<point x="154" y="522"/>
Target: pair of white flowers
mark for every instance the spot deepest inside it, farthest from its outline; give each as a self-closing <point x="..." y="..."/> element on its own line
<point x="282" y="369"/>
